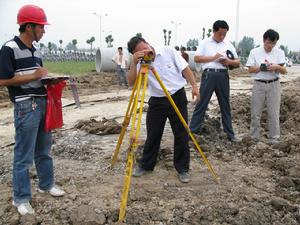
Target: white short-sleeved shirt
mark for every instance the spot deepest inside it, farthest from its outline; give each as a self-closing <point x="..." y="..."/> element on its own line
<point x="209" y="47"/>
<point x="120" y="61"/>
<point x="169" y="65"/>
<point x="259" y="55"/>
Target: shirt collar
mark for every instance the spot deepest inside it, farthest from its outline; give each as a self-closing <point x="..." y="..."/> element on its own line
<point x="212" y="40"/>
<point x="21" y="45"/>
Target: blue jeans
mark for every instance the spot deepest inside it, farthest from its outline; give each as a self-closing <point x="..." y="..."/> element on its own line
<point x="31" y="143"/>
<point x="122" y="75"/>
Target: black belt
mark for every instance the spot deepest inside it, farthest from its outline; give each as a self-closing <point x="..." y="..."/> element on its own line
<point x="215" y="70"/>
<point x="268" y="81"/>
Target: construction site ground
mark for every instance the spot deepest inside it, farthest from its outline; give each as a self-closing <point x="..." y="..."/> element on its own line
<point x="259" y="182"/>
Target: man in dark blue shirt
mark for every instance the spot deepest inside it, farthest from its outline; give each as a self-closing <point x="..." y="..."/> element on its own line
<point x="21" y="70"/>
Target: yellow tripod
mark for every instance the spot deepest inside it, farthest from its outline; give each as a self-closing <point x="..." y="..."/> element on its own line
<point x="141" y="82"/>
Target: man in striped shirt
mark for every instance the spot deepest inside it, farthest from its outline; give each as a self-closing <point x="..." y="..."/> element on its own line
<point x="21" y="70"/>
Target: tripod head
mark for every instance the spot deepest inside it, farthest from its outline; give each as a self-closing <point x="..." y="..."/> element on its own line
<point x="148" y="58"/>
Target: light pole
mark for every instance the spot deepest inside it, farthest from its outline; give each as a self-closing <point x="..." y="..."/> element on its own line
<point x="100" y="20"/>
<point x="176" y="29"/>
<point x="237" y="22"/>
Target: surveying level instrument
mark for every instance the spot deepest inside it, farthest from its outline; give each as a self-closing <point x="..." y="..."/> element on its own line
<point x="132" y="111"/>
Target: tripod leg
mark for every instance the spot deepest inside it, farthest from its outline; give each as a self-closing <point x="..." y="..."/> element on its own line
<point x="185" y="125"/>
<point x="127" y="180"/>
<point x="133" y="145"/>
<point x="141" y="107"/>
<point x="125" y="123"/>
<point x="136" y="101"/>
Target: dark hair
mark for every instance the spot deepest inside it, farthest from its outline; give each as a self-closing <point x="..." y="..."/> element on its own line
<point x="133" y="42"/>
<point x="120" y="48"/>
<point x="272" y="35"/>
<point x="220" y="24"/>
<point x="22" y="27"/>
<point x="182" y="48"/>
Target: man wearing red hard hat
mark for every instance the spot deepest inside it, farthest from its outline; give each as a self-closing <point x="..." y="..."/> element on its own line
<point x="21" y="70"/>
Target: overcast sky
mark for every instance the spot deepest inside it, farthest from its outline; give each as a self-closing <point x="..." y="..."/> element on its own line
<point x="74" y="19"/>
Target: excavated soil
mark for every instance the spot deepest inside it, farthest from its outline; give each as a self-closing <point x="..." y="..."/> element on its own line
<point x="259" y="182"/>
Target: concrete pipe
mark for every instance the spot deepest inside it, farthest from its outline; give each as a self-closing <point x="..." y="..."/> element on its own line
<point x="103" y="59"/>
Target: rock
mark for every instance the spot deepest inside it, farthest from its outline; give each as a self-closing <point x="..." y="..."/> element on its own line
<point x="14" y="220"/>
<point x="286" y="182"/>
<point x="289" y="219"/>
<point x="187" y="214"/>
<point x="279" y="203"/>
<point x="261" y="146"/>
<point x="28" y="220"/>
<point x="86" y="215"/>
<point x="296" y="182"/>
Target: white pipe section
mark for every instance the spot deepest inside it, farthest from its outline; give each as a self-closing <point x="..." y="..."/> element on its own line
<point x="103" y="59"/>
<point x="104" y="63"/>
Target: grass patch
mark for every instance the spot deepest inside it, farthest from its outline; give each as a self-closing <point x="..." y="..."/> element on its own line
<point x="70" y="68"/>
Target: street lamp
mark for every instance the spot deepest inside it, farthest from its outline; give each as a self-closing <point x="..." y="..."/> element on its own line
<point x="176" y="28"/>
<point x="237" y="22"/>
<point x="100" y="20"/>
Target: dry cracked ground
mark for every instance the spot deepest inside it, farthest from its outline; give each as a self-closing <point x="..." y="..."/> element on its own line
<point x="259" y="182"/>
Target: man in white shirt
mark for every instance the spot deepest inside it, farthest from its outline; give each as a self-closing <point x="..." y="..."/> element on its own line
<point x="212" y="53"/>
<point x="120" y="60"/>
<point x="173" y="71"/>
<point x="265" y="63"/>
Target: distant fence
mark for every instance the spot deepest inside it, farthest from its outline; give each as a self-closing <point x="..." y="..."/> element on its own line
<point x="68" y="56"/>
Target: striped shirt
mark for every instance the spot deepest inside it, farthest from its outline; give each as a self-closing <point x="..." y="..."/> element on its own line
<point x="17" y="59"/>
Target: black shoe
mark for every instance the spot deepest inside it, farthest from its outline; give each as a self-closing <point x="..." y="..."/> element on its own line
<point x="184" y="177"/>
<point x="139" y="171"/>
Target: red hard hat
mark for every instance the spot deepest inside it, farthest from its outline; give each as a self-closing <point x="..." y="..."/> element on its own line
<point x="32" y="14"/>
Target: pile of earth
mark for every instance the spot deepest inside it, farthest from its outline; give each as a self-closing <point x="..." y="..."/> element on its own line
<point x="101" y="127"/>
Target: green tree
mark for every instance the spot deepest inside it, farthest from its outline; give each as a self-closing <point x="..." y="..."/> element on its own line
<point x="245" y="46"/>
<point x="192" y="43"/>
<point x="50" y="47"/>
<point x="165" y="36"/>
<point x="203" y="33"/>
<point x="42" y="45"/>
<point x="90" y="42"/>
<point x="285" y="49"/>
<point x="74" y="43"/>
<point x="60" y="45"/>
<point x="209" y="33"/>
<point x="169" y="37"/>
<point x="109" y="39"/>
<point x="70" y="46"/>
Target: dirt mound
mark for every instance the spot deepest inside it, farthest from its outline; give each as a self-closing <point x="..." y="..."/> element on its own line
<point x="102" y="127"/>
<point x="239" y="72"/>
<point x="95" y="83"/>
<point x="4" y="98"/>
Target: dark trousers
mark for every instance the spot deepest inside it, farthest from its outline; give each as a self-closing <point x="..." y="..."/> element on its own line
<point x="217" y="82"/>
<point x="159" y="110"/>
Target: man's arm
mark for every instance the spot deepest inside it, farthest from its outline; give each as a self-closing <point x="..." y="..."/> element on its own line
<point x="230" y="62"/>
<point x="188" y="74"/>
<point x="271" y="68"/>
<point x="277" y="68"/>
<point x="253" y="69"/>
<point x="23" y="79"/>
<point x="132" y="73"/>
<point x="206" y="59"/>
